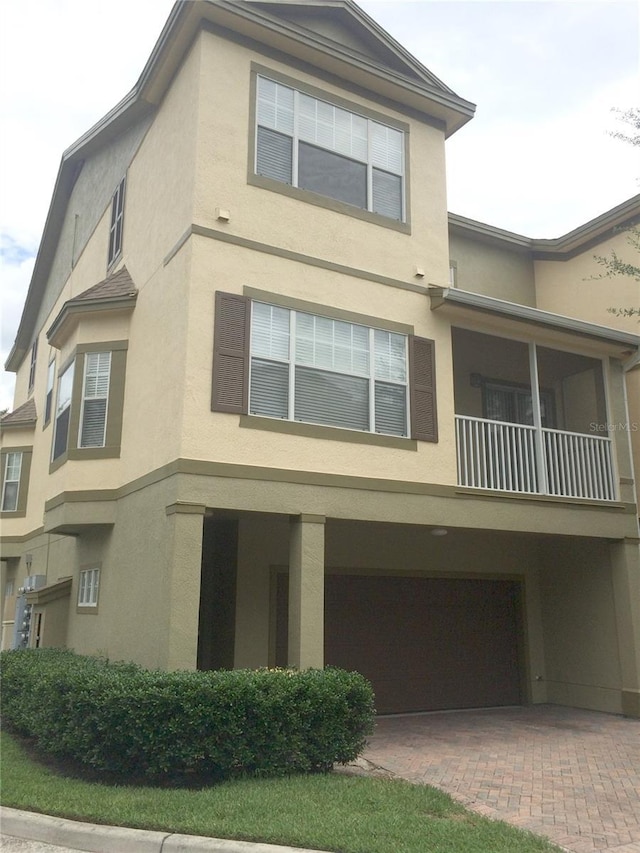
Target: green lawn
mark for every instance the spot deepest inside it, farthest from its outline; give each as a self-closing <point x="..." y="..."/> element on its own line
<point x="331" y="812"/>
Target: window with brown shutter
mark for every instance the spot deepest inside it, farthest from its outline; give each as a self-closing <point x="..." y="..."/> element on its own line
<point x="296" y="366"/>
<point x="424" y="419"/>
<point x="230" y="391"/>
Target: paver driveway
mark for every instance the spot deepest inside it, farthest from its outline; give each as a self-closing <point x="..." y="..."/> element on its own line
<point x="569" y="774"/>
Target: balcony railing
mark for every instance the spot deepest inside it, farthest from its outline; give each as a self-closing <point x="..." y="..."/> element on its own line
<point x="514" y="458"/>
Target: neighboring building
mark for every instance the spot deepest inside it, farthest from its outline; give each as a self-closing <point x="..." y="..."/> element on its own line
<point x="249" y="403"/>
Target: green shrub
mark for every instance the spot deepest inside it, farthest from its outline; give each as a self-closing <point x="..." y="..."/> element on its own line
<point x="136" y="723"/>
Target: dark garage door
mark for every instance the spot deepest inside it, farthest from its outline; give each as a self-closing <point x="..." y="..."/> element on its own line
<point x="425" y="643"/>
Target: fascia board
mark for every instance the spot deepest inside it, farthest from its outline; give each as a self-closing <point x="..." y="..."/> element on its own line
<point x="441" y="296"/>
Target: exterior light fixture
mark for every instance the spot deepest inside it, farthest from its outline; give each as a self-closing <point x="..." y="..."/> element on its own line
<point x="439" y="531"/>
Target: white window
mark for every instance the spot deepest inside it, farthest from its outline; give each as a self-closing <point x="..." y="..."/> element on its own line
<point x="89" y="582"/>
<point x="95" y="394"/>
<point x="117" y="220"/>
<point x="48" y="403"/>
<point x="32" y="364"/>
<point x="314" y="145"/>
<point x="63" y="411"/>
<point x="11" y="481"/>
<point x="319" y="370"/>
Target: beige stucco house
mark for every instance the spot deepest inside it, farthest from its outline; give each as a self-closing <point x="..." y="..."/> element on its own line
<point x="275" y="405"/>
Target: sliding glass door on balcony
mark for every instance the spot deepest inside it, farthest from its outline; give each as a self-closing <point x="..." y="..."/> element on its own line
<point x="530" y="419"/>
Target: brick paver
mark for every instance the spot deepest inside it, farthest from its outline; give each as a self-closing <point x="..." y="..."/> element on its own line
<point x="568" y="774"/>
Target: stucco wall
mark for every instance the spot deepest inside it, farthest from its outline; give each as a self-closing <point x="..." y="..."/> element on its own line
<point x="579" y="624"/>
<point x="493" y="270"/>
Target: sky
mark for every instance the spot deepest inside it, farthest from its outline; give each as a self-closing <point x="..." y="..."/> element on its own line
<point x="537" y="159"/>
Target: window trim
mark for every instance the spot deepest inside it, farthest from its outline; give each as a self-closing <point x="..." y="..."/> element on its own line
<point x="115" y="404"/>
<point x="310" y="196"/>
<point x="90" y="603"/>
<point x="23" y="483"/>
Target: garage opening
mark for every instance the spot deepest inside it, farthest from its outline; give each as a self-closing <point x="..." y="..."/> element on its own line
<point x="425" y="643"/>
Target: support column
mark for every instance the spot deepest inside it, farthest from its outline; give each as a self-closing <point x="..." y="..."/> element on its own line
<point x="306" y="591"/>
<point x="625" y="573"/>
<point x="184" y="565"/>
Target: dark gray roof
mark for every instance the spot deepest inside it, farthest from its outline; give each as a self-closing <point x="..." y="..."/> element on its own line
<point x="24" y="415"/>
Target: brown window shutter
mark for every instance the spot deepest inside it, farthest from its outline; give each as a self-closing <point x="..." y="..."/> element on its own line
<point x="422" y="380"/>
<point x="230" y="391"/>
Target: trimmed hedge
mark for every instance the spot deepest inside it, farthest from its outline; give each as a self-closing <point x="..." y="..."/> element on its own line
<point x="121" y="719"/>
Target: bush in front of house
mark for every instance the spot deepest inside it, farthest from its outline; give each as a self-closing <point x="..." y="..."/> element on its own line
<point x="123" y="720"/>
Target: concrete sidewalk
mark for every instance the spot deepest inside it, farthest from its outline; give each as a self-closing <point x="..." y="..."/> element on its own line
<point x="28" y="832"/>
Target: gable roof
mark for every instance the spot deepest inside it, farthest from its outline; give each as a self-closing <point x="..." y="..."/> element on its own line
<point x="335" y="36"/>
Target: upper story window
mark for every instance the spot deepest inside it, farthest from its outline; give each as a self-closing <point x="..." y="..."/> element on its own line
<point x="48" y="401"/>
<point x="93" y="417"/>
<point x="290" y="364"/>
<point x="89" y="405"/>
<point x="117" y="219"/>
<point x="11" y="481"/>
<point x="63" y="412"/>
<point x="32" y="365"/>
<point x="319" y="370"/>
<point x="317" y="146"/>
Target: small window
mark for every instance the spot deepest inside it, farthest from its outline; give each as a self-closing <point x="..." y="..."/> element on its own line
<point x="48" y="403"/>
<point x="32" y="366"/>
<point x="93" y="418"/>
<point x="63" y="412"/>
<point x="316" y="146"/>
<point x="89" y="582"/>
<point x="115" y="229"/>
<point x="11" y="481"/>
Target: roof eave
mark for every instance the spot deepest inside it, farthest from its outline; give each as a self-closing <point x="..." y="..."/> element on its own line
<point x="453" y="297"/>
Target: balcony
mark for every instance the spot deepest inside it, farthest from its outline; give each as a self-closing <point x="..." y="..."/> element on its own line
<point x="512" y="458"/>
<point x="530" y="419"/>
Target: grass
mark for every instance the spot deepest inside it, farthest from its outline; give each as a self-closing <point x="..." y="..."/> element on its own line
<point x="333" y="812"/>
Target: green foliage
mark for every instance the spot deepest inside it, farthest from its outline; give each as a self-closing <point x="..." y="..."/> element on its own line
<point x="131" y="722"/>
<point x="615" y="266"/>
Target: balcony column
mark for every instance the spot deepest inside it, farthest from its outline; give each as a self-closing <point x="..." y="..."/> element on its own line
<point x="625" y="573"/>
<point x="306" y="591"/>
<point x="541" y="467"/>
<point x="184" y="566"/>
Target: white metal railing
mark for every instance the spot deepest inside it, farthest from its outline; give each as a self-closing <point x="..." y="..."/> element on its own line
<point x="514" y="458"/>
<point x="578" y="465"/>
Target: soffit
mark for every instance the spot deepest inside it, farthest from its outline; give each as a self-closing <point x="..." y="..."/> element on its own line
<point x="475" y="311"/>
